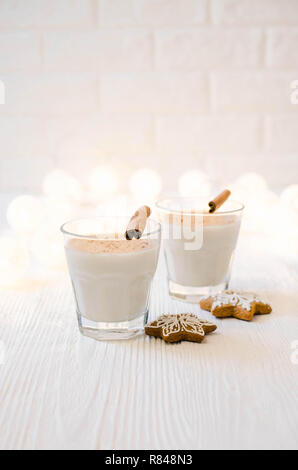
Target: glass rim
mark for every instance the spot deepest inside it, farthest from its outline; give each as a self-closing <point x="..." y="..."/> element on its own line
<point x="145" y="234"/>
<point x="220" y="212"/>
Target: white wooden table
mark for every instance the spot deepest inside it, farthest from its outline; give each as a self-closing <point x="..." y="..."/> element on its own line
<point x="238" y="389"/>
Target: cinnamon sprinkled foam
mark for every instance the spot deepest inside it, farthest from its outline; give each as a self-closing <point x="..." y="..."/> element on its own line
<point x="106" y="245"/>
<point x="204" y="218"/>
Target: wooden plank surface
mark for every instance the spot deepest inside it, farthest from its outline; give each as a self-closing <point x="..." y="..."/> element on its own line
<point x="238" y="389"/>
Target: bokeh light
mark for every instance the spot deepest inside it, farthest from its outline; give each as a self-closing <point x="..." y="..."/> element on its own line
<point x="60" y="185"/>
<point x="194" y="183"/>
<point x="116" y="205"/>
<point x="48" y="249"/>
<point x="58" y="212"/>
<point x="103" y="181"/>
<point x="289" y="196"/>
<point x="249" y="186"/>
<point x="145" y="184"/>
<point x="25" y="213"/>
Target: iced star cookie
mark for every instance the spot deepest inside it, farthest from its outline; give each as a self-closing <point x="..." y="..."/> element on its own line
<point x="182" y="327"/>
<point x="238" y="304"/>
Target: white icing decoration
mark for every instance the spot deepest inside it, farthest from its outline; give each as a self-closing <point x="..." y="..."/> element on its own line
<point x="242" y="299"/>
<point x="179" y="323"/>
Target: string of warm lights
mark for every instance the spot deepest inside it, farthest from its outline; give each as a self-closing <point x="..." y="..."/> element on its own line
<point x="35" y="221"/>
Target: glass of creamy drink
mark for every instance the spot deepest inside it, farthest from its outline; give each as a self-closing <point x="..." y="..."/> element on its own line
<point x="111" y="276"/>
<point x="199" y="246"/>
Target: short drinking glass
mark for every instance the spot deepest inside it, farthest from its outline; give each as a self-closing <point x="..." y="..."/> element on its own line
<point x="111" y="276"/>
<point x="199" y="247"/>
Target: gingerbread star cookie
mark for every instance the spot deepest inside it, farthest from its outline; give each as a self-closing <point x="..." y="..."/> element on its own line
<point x="238" y="304"/>
<point x="182" y="327"/>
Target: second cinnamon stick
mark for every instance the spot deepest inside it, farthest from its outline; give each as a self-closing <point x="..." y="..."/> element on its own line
<point x="219" y="200"/>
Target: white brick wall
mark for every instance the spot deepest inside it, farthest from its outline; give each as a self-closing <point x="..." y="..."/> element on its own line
<point x="48" y="93"/>
<point x="20" y="52"/>
<point x="282" y="47"/>
<point x="170" y="84"/>
<point x="104" y="51"/>
<point x="282" y="134"/>
<point x="208" y="135"/>
<point x="253" y="91"/>
<point x="155" y="13"/>
<point x="39" y="14"/>
<point x="21" y="136"/>
<point x="155" y="92"/>
<point x="208" y="48"/>
<point x="82" y="136"/>
<point x="248" y="12"/>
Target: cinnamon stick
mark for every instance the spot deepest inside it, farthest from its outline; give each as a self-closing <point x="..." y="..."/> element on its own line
<point x="137" y="223"/>
<point x="219" y="200"/>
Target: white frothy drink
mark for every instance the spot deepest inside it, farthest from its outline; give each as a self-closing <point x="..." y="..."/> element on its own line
<point x="111" y="278"/>
<point x="209" y="264"/>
